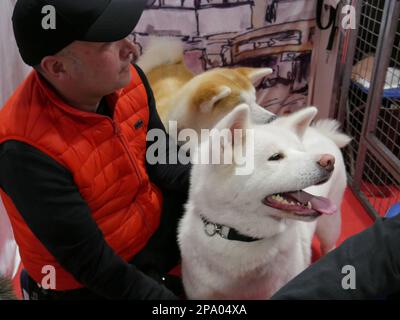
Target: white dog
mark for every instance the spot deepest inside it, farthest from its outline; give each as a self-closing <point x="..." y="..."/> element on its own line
<point x="245" y="236"/>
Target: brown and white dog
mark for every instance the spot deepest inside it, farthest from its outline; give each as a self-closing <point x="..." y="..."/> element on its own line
<point x="197" y="101"/>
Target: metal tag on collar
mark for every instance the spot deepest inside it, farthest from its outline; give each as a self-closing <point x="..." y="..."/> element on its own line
<point x="210" y="229"/>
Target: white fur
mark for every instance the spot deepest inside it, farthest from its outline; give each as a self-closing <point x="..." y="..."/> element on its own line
<point x="160" y="51"/>
<point x="330" y="128"/>
<point x="216" y="268"/>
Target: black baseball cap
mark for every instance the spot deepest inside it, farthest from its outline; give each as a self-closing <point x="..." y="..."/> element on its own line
<point x="84" y="20"/>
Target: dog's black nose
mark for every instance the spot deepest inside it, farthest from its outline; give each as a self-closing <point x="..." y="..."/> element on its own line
<point x="327" y="161"/>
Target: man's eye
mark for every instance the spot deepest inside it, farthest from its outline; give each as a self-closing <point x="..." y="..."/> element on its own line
<point x="276" y="157"/>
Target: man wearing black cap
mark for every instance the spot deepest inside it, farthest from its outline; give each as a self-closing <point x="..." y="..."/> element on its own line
<point x="86" y="207"/>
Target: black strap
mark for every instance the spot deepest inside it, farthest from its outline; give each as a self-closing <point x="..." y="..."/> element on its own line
<point x="331" y="22"/>
<point x="235" y="235"/>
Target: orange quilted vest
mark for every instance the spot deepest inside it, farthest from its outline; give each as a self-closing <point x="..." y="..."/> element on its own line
<point x="105" y="156"/>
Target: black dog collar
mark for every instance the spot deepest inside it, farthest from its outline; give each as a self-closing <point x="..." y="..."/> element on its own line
<point x="225" y="232"/>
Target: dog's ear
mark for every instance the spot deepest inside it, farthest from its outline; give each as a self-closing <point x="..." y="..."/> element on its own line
<point x="260" y="115"/>
<point x="237" y="119"/>
<point x="300" y="120"/>
<point x="254" y="74"/>
<point x="209" y="98"/>
<point x="232" y="140"/>
<point x="230" y="132"/>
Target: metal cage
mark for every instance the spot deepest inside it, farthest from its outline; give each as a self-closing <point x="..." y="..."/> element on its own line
<point x="369" y="105"/>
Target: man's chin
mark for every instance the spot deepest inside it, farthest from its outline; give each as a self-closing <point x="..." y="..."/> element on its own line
<point x="124" y="80"/>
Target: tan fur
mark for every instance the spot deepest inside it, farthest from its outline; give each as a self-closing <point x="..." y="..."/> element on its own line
<point x="363" y="69"/>
<point x="166" y="80"/>
<point x="180" y="94"/>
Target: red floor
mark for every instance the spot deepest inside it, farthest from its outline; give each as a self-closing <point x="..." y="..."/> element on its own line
<point x="354" y="220"/>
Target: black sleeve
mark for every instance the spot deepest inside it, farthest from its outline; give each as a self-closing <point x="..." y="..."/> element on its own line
<point x="172" y="177"/>
<point x="375" y="256"/>
<point x="50" y="203"/>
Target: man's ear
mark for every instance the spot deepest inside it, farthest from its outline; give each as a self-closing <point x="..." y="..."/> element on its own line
<point x="52" y="66"/>
<point x="298" y="121"/>
<point x="254" y="74"/>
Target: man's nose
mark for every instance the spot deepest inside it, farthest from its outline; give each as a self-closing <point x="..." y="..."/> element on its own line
<point x="128" y="48"/>
<point x="327" y="161"/>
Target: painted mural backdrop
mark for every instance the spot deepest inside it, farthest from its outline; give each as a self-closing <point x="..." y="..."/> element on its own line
<point x="259" y="33"/>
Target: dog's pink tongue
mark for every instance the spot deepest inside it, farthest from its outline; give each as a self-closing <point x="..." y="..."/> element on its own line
<point x="319" y="204"/>
<point x="323" y="205"/>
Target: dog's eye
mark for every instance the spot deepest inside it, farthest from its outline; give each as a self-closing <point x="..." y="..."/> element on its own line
<point x="276" y="157"/>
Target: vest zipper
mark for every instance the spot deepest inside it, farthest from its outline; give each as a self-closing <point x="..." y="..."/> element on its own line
<point x="117" y="131"/>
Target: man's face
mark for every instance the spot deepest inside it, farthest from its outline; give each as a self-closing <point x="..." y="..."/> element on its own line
<point x="100" y="68"/>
